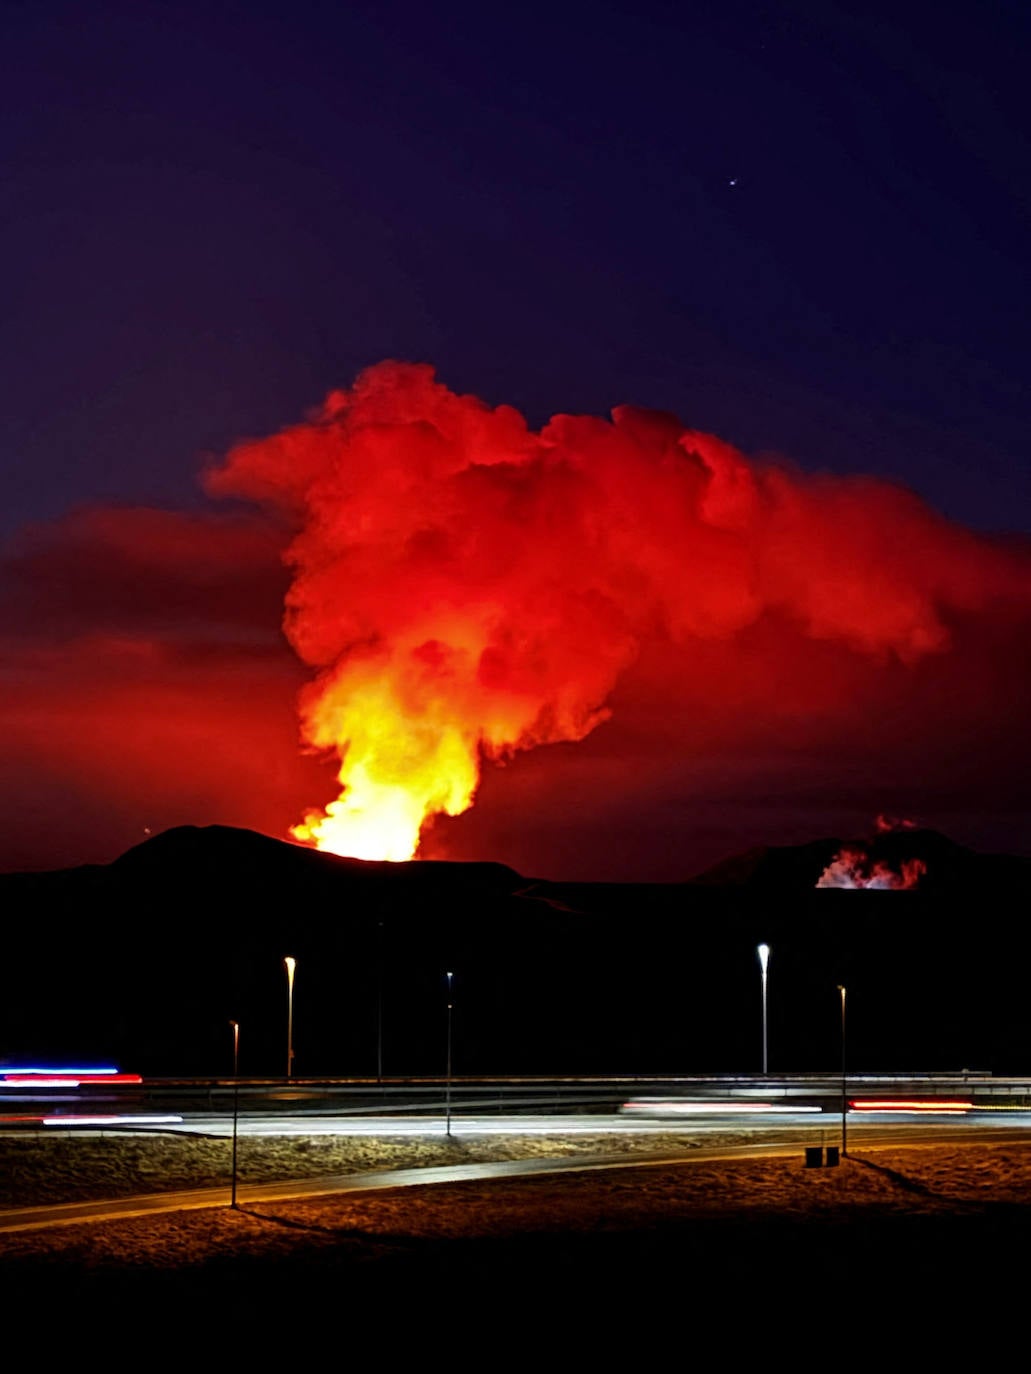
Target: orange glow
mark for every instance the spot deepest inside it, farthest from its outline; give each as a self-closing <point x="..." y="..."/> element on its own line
<point x="397" y="768"/>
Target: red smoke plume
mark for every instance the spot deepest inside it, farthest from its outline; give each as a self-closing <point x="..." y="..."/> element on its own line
<point x="853" y="867"/>
<point x="886" y="824"/>
<point x="464" y="588"/>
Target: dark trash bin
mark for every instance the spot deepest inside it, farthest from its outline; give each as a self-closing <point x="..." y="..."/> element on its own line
<point x="833" y="1153"/>
<point x="814" y="1156"/>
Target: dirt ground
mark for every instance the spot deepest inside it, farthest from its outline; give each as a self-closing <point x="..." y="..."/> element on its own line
<point x="600" y="1251"/>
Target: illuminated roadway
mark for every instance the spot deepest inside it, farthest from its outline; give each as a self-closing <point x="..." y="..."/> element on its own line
<point x="773" y="1126"/>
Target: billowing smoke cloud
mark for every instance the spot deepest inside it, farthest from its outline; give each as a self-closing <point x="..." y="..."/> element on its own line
<point x="854" y="867"/>
<point x="464" y="589"/>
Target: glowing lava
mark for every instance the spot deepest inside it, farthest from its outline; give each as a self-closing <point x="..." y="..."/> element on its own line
<point x="397" y="768"/>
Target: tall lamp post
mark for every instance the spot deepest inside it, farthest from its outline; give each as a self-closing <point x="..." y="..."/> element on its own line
<point x="236" y="1097"/>
<point x="379" y="1005"/>
<point x="291" y="964"/>
<point x="844" y="1095"/>
<point x="447" y="1090"/>
<point x="764" y="959"/>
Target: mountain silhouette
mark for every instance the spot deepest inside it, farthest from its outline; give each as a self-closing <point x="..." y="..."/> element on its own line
<point x="145" y="961"/>
<point x="944" y="864"/>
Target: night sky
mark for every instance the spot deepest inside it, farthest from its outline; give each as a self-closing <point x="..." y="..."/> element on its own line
<point x="771" y="580"/>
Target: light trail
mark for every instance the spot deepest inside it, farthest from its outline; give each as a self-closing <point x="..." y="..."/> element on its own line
<point x="709" y="1108"/>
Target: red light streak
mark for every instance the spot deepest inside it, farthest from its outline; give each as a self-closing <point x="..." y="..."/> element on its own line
<point x="63" y="1080"/>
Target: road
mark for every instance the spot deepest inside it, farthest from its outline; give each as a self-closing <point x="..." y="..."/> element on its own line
<point x="24" y="1097"/>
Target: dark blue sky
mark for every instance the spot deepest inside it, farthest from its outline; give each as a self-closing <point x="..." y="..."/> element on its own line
<point x="801" y="226"/>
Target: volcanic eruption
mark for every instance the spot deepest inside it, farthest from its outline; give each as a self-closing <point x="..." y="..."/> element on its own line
<point x="853" y="866"/>
<point x="465" y="588"/>
<point x="863" y="864"/>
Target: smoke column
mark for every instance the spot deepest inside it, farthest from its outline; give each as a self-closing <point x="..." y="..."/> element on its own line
<point x="853" y="867"/>
<point x="464" y="588"/>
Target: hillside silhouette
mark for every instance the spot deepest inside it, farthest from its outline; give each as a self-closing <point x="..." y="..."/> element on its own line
<point x="144" y="961"/>
<point x="946" y="866"/>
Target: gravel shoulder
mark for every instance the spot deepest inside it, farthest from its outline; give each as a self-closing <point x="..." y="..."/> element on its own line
<point x="38" y="1168"/>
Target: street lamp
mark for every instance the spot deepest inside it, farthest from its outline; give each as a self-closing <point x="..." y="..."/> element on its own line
<point x="844" y="1095"/>
<point x="236" y="1096"/>
<point x="379" y="1005"/>
<point x="764" y="959"/>
<point x="448" y="1088"/>
<point x="291" y="964"/>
